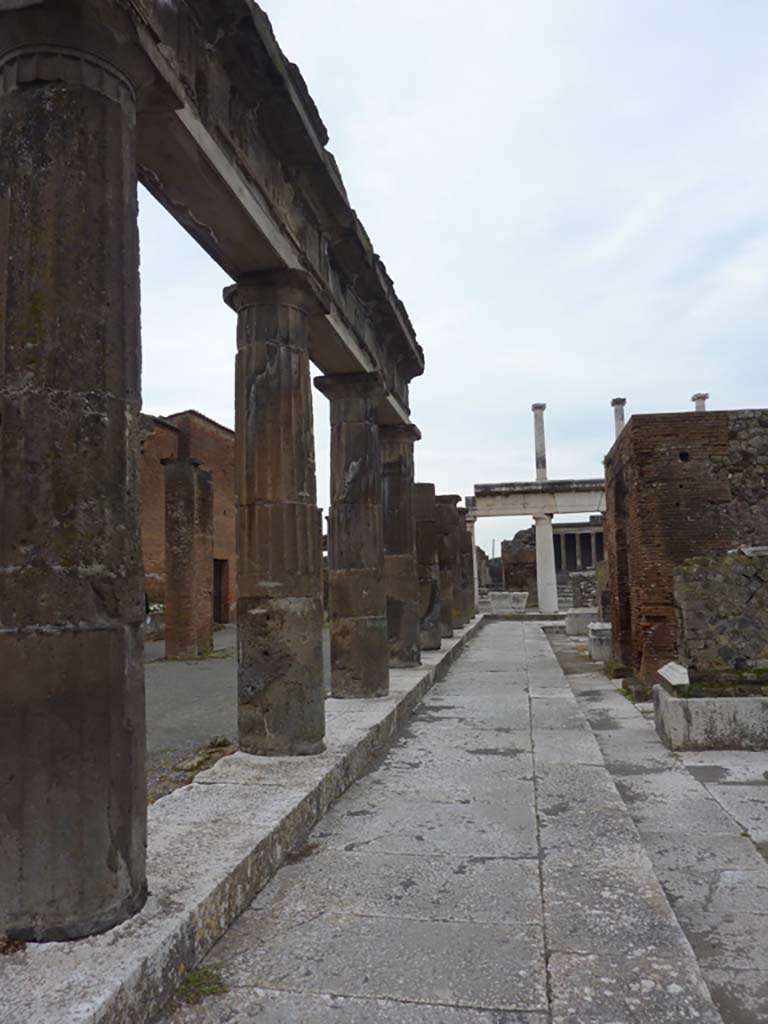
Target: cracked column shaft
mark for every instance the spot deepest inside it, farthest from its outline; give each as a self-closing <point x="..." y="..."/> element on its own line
<point x="358" y="605"/>
<point x="72" y="735"/>
<point x="279" y="541"/>
<point x="401" y="579"/>
<point x="427" y="537"/>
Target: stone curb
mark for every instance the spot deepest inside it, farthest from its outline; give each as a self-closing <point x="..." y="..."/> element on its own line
<point x="212" y="846"/>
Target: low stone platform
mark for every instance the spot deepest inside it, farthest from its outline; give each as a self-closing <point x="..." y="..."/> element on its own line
<point x="212" y="846"/>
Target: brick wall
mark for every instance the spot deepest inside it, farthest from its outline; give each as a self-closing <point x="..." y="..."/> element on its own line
<point x="678" y="485"/>
<point x="213" y="446"/>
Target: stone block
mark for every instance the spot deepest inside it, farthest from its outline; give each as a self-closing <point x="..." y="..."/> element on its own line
<point x="600" y="641"/>
<point x="711" y="723"/>
<point x="578" y="619"/>
<point x="506" y="602"/>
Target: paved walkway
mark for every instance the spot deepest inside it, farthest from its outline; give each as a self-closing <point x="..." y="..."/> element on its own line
<point x="703" y="818"/>
<point x="485" y="872"/>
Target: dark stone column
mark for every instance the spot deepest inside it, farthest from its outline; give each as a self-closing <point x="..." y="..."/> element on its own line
<point x="358" y="609"/>
<point x="401" y="579"/>
<point x="467" y="574"/>
<point x="204" y="560"/>
<point x="72" y="737"/>
<point x="448" y="518"/>
<point x="279" y="608"/>
<point x="180" y="560"/>
<point x="427" y="536"/>
<point x="449" y="502"/>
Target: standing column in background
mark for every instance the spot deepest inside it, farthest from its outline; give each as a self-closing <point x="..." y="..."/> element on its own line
<point x="618" y="414"/>
<point x="358" y="605"/>
<point x="465" y="555"/>
<point x="593" y="546"/>
<point x="471" y="519"/>
<point x="700" y="401"/>
<point x="446" y="513"/>
<point x="204" y="560"/>
<point x="563" y="553"/>
<point x="540" y="442"/>
<point x="448" y="503"/>
<point x="401" y="579"/>
<point x="427" y="543"/>
<point x="546" y="579"/>
<point x="281" y="695"/>
<point x="181" y="596"/>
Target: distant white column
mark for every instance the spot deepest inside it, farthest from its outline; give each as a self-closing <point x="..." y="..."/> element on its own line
<point x="563" y="553"/>
<point x="541" y="445"/>
<point x="593" y="544"/>
<point x="618" y="413"/>
<point x="546" y="578"/>
<point x="579" y="552"/>
<point x="700" y="401"/>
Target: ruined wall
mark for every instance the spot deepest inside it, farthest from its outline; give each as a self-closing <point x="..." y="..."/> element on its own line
<point x="518" y="558"/>
<point x="678" y="486"/>
<point x="212" y="445"/>
<point x="722" y="604"/>
<point x="584" y="589"/>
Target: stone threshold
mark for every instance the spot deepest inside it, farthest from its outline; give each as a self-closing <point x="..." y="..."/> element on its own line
<point x="212" y="846"/>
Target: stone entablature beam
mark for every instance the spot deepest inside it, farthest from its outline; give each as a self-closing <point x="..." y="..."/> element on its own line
<point x="549" y="497"/>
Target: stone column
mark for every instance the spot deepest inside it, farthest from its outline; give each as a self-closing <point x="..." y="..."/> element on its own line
<point x="279" y="544"/>
<point x="449" y="502"/>
<point x="358" y="604"/>
<point x="427" y="538"/>
<point x="181" y="595"/>
<point x="541" y="446"/>
<point x="401" y="581"/>
<point x="593" y="545"/>
<point x="72" y="735"/>
<point x="465" y="562"/>
<point x="563" y="553"/>
<point x="446" y="517"/>
<point x="579" y="555"/>
<point x="618" y="414"/>
<point x="204" y="560"/>
<point x="700" y="401"/>
<point x="471" y="519"/>
<point x="546" y="580"/>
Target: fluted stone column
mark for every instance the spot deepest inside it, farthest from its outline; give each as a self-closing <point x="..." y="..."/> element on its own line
<point x="465" y="558"/>
<point x="546" y="578"/>
<point x="72" y="736"/>
<point x="471" y="519"/>
<point x="451" y="556"/>
<point x="446" y="557"/>
<point x="401" y="579"/>
<point x="279" y="542"/>
<point x="358" y="605"/>
<point x="427" y="538"/>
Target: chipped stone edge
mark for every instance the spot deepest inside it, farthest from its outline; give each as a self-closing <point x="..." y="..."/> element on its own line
<point x="710" y="723"/>
<point x="148" y="977"/>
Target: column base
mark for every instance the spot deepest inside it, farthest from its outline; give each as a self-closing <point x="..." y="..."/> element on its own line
<point x="359" y="657"/>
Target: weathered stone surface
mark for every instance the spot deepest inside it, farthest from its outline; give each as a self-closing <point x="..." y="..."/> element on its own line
<point x="400" y="566"/>
<point x="577" y="620"/>
<point x="279" y="617"/>
<point x="427" y="540"/>
<point x="72" y="727"/>
<point x="450" y="569"/>
<point x="358" y="604"/>
<point x="711" y="723"/>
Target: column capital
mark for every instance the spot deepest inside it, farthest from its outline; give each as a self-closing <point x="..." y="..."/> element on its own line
<point x="618" y="401"/>
<point x="399" y="432"/>
<point x="448" y="499"/>
<point x="538" y="407"/>
<point x="350" y="385"/>
<point x="282" y="287"/>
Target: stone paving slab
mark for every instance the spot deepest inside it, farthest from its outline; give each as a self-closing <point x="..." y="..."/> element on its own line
<point x="448" y="885"/>
<point x="700" y="816"/>
<point x="212" y="846"/>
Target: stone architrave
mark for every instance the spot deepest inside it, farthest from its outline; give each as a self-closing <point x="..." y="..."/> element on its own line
<point x="279" y="605"/>
<point x="72" y="731"/>
<point x="358" y="606"/>
<point x="427" y="538"/>
<point x="450" y="563"/>
<point x="401" y="579"/>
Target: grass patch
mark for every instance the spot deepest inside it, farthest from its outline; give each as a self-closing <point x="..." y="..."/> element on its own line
<point x="200" y="983"/>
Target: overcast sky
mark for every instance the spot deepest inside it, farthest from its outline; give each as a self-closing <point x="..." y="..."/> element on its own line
<point x="570" y="195"/>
